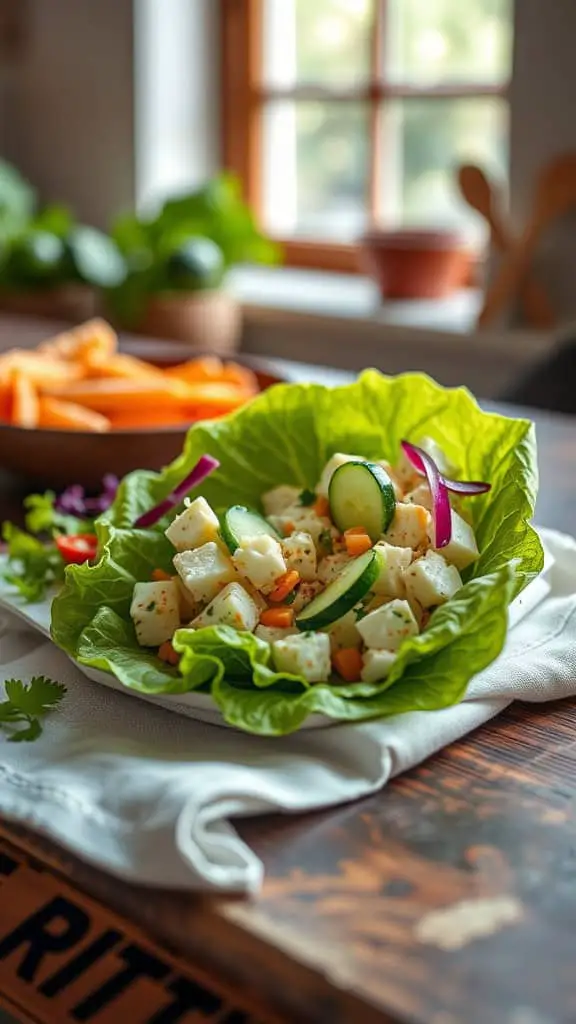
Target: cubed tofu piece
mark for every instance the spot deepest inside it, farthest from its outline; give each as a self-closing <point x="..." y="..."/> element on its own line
<point x="204" y="571"/>
<point x="376" y="665"/>
<point x="331" y="566"/>
<point x="394" y="561"/>
<point x="305" y="520"/>
<point x="195" y="526"/>
<point x="271" y="633"/>
<point x="307" y="654"/>
<point x="337" y="460"/>
<point x="462" y="549"/>
<point x="260" y="560"/>
<point x="279" y="498"/>
<point x="231" y="607"/>
<point x="300" y="554"/>
<point x="388" y="626"/>
<point x="420" y="495"/>
<point x="410" y="527"/>
<point x="431" y="581"/>
<point x="344" y="632"/>
<point x="155" y="612"/>
<point x="189" y="608"/>
<point x="305" y="593"/>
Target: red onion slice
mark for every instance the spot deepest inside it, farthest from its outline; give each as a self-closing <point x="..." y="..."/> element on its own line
<point x="205" y="465"/>
<point x="467" y="487"/>
<point x="441" y="511"/>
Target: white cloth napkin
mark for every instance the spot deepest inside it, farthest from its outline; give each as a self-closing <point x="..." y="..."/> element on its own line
<point x="149" y="796"/>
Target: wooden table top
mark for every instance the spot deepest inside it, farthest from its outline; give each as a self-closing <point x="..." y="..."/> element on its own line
<point x="362" y="916"/>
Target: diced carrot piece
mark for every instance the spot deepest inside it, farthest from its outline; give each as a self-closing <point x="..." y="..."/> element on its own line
<point x="322" y="506"/>
<point x="289" y="528"/>
<point x="357" y="542"/>
<point x="60" y="415"/>
<point x="167" y="653"/>
<point x="159" y="576"/>
<point x="24" y="410"/>
<point x="278" y="618"/>
<point x="285" y="585"/>
<point x="348" y="664"/>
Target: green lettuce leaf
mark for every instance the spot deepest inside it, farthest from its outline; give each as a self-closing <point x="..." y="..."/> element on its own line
<point x="286" y="435"/>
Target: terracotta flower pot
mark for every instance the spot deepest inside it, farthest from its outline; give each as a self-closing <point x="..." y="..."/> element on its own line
<point x="415" y="264"/>
<point x="209" y="321"/>
<point x="73" y="302"/>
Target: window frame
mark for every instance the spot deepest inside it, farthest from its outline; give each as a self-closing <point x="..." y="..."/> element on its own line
<point x="243" y="95"/>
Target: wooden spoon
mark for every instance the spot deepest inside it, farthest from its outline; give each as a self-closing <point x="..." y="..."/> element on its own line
<point x="482" y="196"/>
<point x="555" y="195"/>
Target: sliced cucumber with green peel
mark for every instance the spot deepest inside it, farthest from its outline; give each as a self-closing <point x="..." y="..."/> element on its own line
<point x="340" y="596"/>
<point x="362" y="494"/>
<point x="239" y="522"/>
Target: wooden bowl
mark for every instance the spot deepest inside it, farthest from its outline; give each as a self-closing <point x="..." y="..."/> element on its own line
<point x="56" y="458"/>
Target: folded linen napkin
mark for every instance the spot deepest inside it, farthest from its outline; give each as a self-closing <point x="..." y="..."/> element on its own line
<point x="148" y="795"/>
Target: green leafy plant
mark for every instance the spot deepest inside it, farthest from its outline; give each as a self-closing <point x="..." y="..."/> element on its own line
<point x="285" y="436"/>
<point x="44" y="248"/>
<point x="26" y="704"/>
<point x="187" y="245"/>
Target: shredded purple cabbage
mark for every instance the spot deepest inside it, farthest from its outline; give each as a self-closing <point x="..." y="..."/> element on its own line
<point x="73" y="500"/>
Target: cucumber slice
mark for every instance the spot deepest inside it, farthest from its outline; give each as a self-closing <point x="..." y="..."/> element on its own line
<point x="362" y="494"/>
<point x="340" y="596"/>
<point x="239" y="522"/>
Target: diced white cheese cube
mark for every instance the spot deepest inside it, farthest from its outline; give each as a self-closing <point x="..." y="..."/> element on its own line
<point x="344" y="632"/>
<point x="305" y="520"/>
<point x="279" y="498"/>
<point x="337" y="460"/>
<point x="300" y="554"/>
<point x="260" y="560"/>
<point x="155" y="612"/>
<point x="431" y="581"/>
<point x="376" y="665"/>
<point x="387" y="627"/>
<point x="420" y="496"/>
<point x="231" y="607"/>
<point x="405" y="472"/>
<point x="204" y="571"/>
<point x="307" y="654"/>
<point x="272" y="633"/>
<point x="435" y="452"/>
<point x="305" y="593"/>
<point x="394" y="561"/>
<point x="189" y="608"/>
<point x="410" y="527"/>
<point x="195" y="526"/>
<point x="462" y="549"/>
<point x="331" y="566"/>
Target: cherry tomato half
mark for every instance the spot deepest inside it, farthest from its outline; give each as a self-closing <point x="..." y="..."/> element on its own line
<point x="78" y="548"/>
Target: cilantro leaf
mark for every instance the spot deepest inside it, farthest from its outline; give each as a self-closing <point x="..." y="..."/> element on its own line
<point x="307" y="497"/>
<point x="26" y="703"/>
<point x="32" y="565"/>
<point x="42" y="516"/>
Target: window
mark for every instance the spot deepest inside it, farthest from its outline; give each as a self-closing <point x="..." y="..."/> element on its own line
<point x="342" y="114"/>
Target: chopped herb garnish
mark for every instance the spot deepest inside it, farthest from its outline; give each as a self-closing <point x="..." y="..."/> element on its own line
<point x="307" y="497"/>
<point x="291" y="597"/>
<point x="325" y="539"/>
<point x="209" y="612"/>
<point x="360" y="613"/>
<point x="150" y="607"/>
<point x="25" y="704"/>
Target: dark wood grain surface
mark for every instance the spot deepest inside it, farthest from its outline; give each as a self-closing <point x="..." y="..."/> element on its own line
<point x="369" y="912"/>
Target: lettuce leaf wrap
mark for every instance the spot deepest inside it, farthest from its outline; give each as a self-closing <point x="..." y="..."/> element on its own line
<point x="285" y="436"/>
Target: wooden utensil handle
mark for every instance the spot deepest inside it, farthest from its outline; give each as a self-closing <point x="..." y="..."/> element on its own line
<point x="536" y="303"/>
<point x="508" y="278"/>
